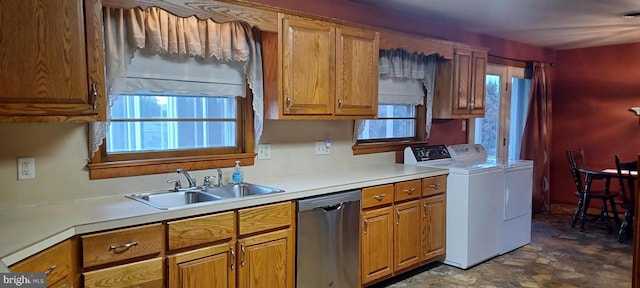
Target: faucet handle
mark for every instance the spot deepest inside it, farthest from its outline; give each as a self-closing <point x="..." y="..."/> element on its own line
<point x="177" y="186"/>
<point x="207" y="181"/>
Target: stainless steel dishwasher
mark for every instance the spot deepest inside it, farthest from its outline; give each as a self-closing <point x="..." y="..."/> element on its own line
<point x="328" y="245"/>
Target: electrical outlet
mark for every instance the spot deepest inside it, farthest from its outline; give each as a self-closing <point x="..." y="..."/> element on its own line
<point x="26" y="168"/>
<point x="264" y="151"/>
<point x="322" y="148"/>
<point x="464" y="125"/>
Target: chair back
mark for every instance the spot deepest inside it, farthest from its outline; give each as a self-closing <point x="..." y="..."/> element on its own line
<point x="577" y="176"/>
<point x="627" y="182"/>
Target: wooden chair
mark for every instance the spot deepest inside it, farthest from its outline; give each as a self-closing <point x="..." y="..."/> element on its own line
<point x="584" y="203"/>
<point x="627" y="190"/>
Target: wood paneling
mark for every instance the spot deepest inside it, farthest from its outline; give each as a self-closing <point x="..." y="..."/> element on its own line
<point x="406" y="235"/>
<point x="267" y="260"/>
<point x="376" y="260"/>
<point x="212" y="266"/>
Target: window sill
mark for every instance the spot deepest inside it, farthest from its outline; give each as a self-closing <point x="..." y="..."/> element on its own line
<point x="166" y="165"/>
<point x="370" y="148"/>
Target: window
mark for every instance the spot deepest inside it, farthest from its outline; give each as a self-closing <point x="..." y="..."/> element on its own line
<point x="179" y="94"/>
<point x="395" y="121"/>
<point x="500" y="131"/>
<point x="149" y="123"/>
<point x="400" y="110"/>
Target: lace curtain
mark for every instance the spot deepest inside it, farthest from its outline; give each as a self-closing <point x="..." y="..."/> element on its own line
<point x="156" y="31"/>
<point x="398" y="63"/>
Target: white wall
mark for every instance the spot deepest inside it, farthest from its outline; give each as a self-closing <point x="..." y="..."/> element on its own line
<point x="60" y="152"/>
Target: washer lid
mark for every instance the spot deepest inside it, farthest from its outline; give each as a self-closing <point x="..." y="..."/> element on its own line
<point x="466" y="167"/>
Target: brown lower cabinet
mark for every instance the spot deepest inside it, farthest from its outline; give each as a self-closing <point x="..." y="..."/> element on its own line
<point x="402" y="227"/>
<point x="58" y="262"/>
<point x="251" y="247"/>
<point x="143" y="274"/>
<point x="194" y="268"/>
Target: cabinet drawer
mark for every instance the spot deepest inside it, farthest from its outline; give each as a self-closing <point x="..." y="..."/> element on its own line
<point x="434" y="185"/>
<point x="376" y="196"/>
<point x="148" y="273"/>
<point x="200" y="230"/>
<point x="408" y="190"/>
<point x="111" y="246"/>
<point x="262" y="218"/>
<point x="56" y="261"/>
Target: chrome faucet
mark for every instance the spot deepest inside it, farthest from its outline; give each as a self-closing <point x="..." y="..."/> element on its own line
<point x="192" y="182"/>
<point x="219" y="177"/>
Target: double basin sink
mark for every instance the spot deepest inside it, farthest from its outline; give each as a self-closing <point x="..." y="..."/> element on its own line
<point x="170" y="199"/>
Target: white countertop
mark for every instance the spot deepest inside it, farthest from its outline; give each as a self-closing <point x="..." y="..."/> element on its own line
<point x="30" y="229"/>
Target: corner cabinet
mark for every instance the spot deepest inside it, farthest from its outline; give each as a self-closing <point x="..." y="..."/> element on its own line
<point x="323" y="71"/>
<point x="53" y="62"/>
<point x="460" y="85"/>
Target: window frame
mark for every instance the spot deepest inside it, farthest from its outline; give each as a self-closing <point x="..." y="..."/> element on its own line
<point x="103" y="166"/>
<point x="371" y="146"/>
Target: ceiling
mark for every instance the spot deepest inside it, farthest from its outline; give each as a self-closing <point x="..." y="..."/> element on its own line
<point x="554" y="24"/>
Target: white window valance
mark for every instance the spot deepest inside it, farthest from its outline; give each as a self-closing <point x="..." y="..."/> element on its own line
<point x="398" y="68"/>
<point x="182" y="75"/>
<point x="132" y="33"/>
<point x="400" y="91"/>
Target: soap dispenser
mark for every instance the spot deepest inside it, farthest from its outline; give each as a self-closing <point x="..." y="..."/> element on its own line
<point x="236" y="177"/>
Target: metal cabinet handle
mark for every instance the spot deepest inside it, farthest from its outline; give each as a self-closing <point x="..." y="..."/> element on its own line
<point x="94" y="95"/>
<point x="424" y="211"/>
<point x="130" y="244"/>
<point x="288" y="101"/>
<point x="243" y="254"/>
<point x="379" y="197"/>
<point x="53" y="267"/>
<point x="233" y="258"/>
<point x="398" y="219"/>
<point x="339" y="103"/>
<point x="410" y="191"/>
<point x="366" y="225"/>
<point x="435" y="186"/>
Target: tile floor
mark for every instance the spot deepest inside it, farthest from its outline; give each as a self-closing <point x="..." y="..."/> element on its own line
<point x="558" y="256"/>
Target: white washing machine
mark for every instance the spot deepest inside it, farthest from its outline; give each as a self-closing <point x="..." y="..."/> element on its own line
<point x="515" y="230"/>
<point x="474" y="190"/>
<point x="515" y="226"/>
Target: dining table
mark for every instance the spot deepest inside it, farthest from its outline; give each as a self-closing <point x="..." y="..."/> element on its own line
<point x="601" y="174"/>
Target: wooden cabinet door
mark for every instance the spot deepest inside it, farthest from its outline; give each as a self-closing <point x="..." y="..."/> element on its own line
<point x="406" y="235"/>
<point x="376" y="251"/>
<point x="141" y="274"/>
<point x="209" y="267"/>
<point x="462" y="82"/>
<point x="433" y="227"/>
<point x="267" y="260"/>
<point x="57" y="262"/>
<point x="478" y="83"/>
<point x="307" y="56"/>
<point x="49" y="68"/>
<point x="356" y="72"/>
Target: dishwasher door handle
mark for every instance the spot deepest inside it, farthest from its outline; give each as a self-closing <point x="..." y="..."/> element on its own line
<point x="333" y="207"/>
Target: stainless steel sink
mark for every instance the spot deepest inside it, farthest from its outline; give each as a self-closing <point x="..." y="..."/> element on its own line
<point x="242" y="190"/>
<point x="176" y="199"/>
<point x="171" y="199"/>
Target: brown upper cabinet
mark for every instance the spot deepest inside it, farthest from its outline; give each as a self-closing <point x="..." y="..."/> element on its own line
<point x="323" y="71"/>
<point x="52" y="59"/>
<point x="460" y="85"/>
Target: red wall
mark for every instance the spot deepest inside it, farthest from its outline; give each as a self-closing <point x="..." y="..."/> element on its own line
<point x="593" y="89"/>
